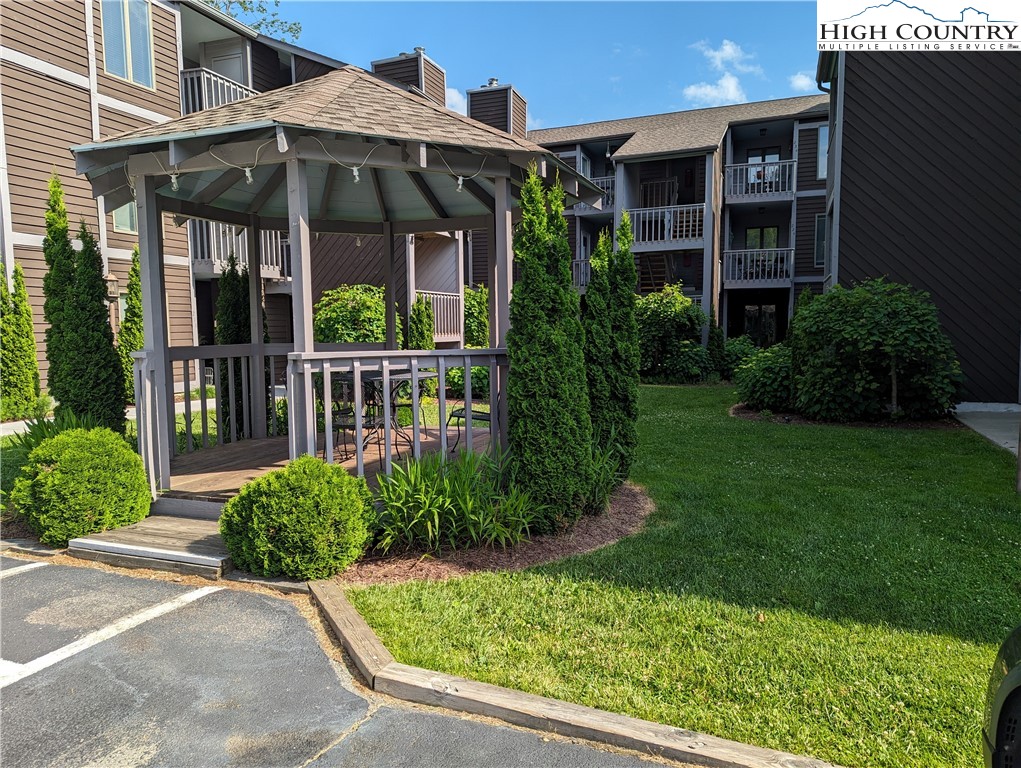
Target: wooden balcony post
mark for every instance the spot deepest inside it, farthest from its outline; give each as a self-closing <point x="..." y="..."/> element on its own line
<point x="257" y="360"/>
<point x="155" y="331"/>
<point x="709" y="238"/>
<point x="300" y="411"/>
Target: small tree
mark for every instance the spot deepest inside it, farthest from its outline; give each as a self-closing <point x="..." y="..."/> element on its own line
<point x="19" y="375"/>
<point x="549" y="428"/>
<point x="595" y="318"/>
<point x="623" y="374"/>
<point x="476" y="317"/>
<point x="420" y="334"/>
<point x="233" y="326"/>
<point x="57" y="285"/>
<point x="94" y="382"/>
<point x="131" y="336"/>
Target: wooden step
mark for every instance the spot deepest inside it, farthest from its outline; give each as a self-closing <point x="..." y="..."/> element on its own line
<point x="191" y="506"/>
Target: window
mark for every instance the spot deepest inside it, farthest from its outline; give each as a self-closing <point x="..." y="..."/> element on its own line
<point x="127" y="40"/>
<point x="820" y="240"/>
<point x="756" y="238"/>
<point x="125" y="219"/>
<point x="822" y="155"/>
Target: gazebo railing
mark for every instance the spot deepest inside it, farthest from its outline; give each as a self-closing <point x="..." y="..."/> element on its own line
<point x="356" y="393"/>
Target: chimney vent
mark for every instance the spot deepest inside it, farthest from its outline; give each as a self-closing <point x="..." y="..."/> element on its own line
<point x="419" y="49"/>
<point x="493" y="82"/>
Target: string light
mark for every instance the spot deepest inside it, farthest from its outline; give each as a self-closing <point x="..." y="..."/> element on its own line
<point x="355" y="172"/>
<point x="461" y="178"/>
<point x="352" y="168"/>
<point x="358" y="241"/>
<point x="173" y="182"/>
<point x="247" y="169"/>
<point x="460" y="183"/>
<point x="248" y="176"/>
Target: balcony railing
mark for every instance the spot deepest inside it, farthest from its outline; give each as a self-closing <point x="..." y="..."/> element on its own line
<point x="212" y="243"/>
<point x="669" y="225"/>
<point x="766" y="266"/>
<point x="605" y="183"/>
<point x="761" y="181"/>
<point x="448" y="319"/>
<point x="203" y="89"/>
<point x="581" y="272"/>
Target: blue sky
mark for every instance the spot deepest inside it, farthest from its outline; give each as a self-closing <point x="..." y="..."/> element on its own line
<point x="578" y="62"/>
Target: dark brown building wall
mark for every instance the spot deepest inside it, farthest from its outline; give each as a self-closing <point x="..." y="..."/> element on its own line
<point x="479" y="255"/>
<point x="266" y="72"/>
<point x="306" y="69"/>
<point x="808" y="160"/>
<point x="490" y="106"/>
<point x="804" y="235"/>
<point x="403" y="70"/>
<point x="519" y="115"/>
<point x="929" y="196"/>
<point x="435" y="85"/>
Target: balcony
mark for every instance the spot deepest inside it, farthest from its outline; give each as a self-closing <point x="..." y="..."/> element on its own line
<point x="204" y="89"/>
<point x="760" y="182"/>
<point x="761" y="268"/>
<point x="448" y="318"/>
<point x="669" y="227"/>
<point x="212" y="243"/>
<point x="605" y="183"/>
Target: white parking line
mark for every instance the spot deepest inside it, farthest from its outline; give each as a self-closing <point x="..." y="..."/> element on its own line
<point x="11" y="672"/>
<point x="20" y="569"/>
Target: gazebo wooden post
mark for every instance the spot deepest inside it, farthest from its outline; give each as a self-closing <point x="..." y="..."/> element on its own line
<point x="157" y="342"/>
<point x="300" y="410"/>
<point x="389" y="289"/>
<point x="257" y="360"/>
<point x="503" y="233"/>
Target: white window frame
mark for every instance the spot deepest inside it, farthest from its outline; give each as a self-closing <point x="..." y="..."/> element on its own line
<point x="822" y="152"/>
<point x="125" y="229"/>
<point x="820" y="258"/>
<point x="126" y="21"/>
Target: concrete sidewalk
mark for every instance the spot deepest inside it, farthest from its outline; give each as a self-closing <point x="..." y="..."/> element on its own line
<point x="17" y="427"/>
<point x="999" y="426"/>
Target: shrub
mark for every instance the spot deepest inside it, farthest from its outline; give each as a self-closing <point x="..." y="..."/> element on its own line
<point x="595" y="318"/>
<point x="717" y="348"/>
<point x="480" y="382"/>
<point x="764" y="381"/>
<point x="58" y="285"/>
<point x="81" y="482"/>
<point x="306" y="521"/>
<point x="688" y="363"/>
<point x="352" y="314"/>
<point x="233" y="326"/>
<point x="735" y="352"/>
<point x="421" y="323"/>
<point x="467" y="501"/>
<point x="476" y="317"/>
<point x="93" y="379"/>
<point x="19" y="374"/>
<point x="665" y="319"/>
<point x="130" y="335"/>
<point x="873" y="351"/>
<point x="607" y="475"/>
<point x="549" y="429"/>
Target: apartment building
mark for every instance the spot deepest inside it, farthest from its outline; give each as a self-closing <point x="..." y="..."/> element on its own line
<point x="924" y="187"/>
<point x="728" y="201"/>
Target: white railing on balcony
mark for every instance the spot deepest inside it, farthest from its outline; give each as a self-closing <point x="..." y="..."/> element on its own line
<point x="448" y="318"/>
<point x="760" y="266"/>
<point x="607" y="184"/>
<point x="581" y="272"/>
<point x="761" y="180"/>
<point x="211" y="244"/>
<point x="203" y="89"/>
<point x="667" y="225"/>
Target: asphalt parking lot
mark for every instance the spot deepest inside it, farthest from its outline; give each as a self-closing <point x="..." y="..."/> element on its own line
<point x="107" y="670"/>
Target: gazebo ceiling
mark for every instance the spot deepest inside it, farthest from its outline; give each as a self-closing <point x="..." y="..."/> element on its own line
<point x="373" y="153"/>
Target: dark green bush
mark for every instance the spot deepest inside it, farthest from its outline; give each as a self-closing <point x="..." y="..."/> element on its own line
<point x="19" y="374"/>
<point x="595" y="318"/>
<point x="81" y="482"/>
<point x="764" y="380"/>
<point x="421" y="323"/>
<point x="58" y="285"/>
<point x="667" y="318"/>
<point x="431" y="503"/>
<point x="130" y="335"/>
<point x="306" y="521"/>
<point x="476" y="317"/>
<point x="735" y="352"/>
<point x="352" y="314"/>
<point x="688" y="363"/>
<point x="233" y="326"/>
<point x="871" y="352"/>
<point x="717" y="348"/>
<point x="480" y="382"/>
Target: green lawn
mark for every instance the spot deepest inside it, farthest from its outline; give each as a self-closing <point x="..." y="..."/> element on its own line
<point x="824" y="590"/>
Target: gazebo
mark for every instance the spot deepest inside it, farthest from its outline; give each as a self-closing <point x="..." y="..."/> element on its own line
<point x="342" y="153"/>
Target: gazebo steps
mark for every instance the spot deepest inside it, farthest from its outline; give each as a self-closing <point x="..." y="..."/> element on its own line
<point x="161" y="542"/>
<point x="189" y="505"/>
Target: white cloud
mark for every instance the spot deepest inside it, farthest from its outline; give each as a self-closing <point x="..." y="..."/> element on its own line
<point x="457" y="101"/>
<point x="802" y="81"/>
<point x="726" y="90"/>
<point x="532" y="123"/>
<point x="729" y="56"/>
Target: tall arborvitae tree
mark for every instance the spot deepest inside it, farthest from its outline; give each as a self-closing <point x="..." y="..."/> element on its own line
<point x="92" y="377"/>
<point x="595" y="318"/>
<point x="549" y="428"/>
<point x="233" y="326"/>
<point x="623" y="373"/>
<point x="421" y="323"/>
<point x="19" y="374"/>
<point x="57" y="285"/>
<point x="131" y="335"/>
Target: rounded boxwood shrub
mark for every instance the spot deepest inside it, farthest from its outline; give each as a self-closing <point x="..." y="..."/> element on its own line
<point x="81" y="482"/>
<point x="308" y="520"/>
<point x="764" y="381"/>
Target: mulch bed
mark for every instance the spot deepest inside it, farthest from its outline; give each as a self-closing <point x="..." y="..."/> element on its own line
<point x="13" y="526"/>
<point x="629" y="507"/>
<point x="742" y="411"/>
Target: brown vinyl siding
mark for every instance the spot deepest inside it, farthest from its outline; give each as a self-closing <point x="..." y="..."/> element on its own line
<point x="266" y="72"/>
<point x="278" y="318"/>
<point x="178" y="281"/>
<point x="404" y="70"/>
<point x="489" y="106"/>
<point x="804" y="236"/>
<point x="436" y="264"/>
<point x="928" y="197"/>
<point x="53" y="31"/>
<point x="37" y="143"/>
<point x="519" y="115"/>
<point x="306" y="69"/>
<point x="435" y="85"/>
<point x="166" y="97"/>
<point x="479" y="259"/>
<point x="808" y="160"/>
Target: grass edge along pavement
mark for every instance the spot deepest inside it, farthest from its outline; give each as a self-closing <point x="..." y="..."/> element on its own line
<point x="823" y="590"/>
